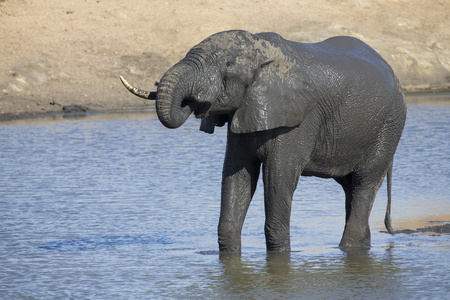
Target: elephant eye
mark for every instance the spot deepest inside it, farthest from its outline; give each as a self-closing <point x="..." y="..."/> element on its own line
<point x="229" y="63"/>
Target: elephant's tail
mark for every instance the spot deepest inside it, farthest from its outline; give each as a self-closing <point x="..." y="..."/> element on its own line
<point x="387" y="217"/>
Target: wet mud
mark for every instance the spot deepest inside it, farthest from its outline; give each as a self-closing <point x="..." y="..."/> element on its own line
<point x="434" y="229"/>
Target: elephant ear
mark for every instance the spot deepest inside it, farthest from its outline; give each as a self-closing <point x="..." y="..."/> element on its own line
<point x="208" y="123"/>
<point x="281" y="96"/>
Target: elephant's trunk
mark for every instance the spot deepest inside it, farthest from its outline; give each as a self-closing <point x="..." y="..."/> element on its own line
<point x="175" y="90"/>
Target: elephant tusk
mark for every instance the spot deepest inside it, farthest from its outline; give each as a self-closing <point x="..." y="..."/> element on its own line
<point x="138" y="92"/>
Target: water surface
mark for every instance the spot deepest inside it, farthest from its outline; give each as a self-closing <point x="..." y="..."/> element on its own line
<point x="119" y="207"/>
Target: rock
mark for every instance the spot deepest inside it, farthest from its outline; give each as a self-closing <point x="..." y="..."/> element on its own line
<point x="75" y="109"/>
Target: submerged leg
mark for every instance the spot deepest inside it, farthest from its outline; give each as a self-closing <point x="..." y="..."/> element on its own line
<point x="280" y="183"/>
<point x="360" y="195"/>
<point x="240" y="176"/>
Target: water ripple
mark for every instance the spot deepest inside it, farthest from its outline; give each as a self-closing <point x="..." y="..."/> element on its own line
<point x="86" y="244"/>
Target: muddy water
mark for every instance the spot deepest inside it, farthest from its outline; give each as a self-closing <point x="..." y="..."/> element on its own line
<point x="118" y="207"/>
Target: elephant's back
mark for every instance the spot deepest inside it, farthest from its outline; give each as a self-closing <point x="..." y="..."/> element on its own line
<point x="352" y="55"/>
<point x="346" y="43"/>
<point x="346" y="65"/>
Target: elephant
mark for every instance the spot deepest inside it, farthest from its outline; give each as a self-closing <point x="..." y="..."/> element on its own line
<point x="331" y="109"/>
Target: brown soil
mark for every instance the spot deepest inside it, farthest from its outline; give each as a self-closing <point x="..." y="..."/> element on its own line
<point x="69" y="54"/>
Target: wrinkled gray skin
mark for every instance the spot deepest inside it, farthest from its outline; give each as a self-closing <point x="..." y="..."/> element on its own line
<point x="332" y="109"/>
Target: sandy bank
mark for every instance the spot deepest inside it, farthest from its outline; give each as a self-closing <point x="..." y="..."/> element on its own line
<point x="68" y="55"/>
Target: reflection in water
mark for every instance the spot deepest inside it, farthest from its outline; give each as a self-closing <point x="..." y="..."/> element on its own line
<point x="335" y="275"/>
<point x="119" y="207"/>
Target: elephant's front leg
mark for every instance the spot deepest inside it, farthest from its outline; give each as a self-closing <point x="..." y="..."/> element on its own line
<point x="240" y="176"/>
<point x="280" y="181"/>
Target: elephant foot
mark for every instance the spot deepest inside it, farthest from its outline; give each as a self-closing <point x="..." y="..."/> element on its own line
<point x="229" y="249"/>
<point x="279" y="246"/>
<point x="348" y="244"/>
<point x="278" y="249"/>
<point x="229" y="238"/>
<point x="355" y="236"/>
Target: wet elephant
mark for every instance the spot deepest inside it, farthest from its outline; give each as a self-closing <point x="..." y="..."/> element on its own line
<point x="332" y="109"/>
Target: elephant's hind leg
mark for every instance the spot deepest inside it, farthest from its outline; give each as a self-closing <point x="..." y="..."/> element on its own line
<point x="362" y="185"/>
<point x="360" y="195"/>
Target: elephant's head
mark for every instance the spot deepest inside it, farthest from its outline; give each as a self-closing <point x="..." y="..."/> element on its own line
<point x="252" y="81"/>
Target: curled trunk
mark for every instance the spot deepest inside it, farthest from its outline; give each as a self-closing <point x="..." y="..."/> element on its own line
<point x="174" y="91"/>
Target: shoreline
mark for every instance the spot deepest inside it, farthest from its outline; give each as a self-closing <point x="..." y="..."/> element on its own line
<point x="8" y="117"/>
<point x="75" y="111"/>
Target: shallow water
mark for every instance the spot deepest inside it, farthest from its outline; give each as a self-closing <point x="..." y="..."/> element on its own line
<point x="119" y="207"/>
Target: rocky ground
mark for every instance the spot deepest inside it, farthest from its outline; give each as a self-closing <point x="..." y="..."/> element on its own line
<point x="436" y="229"/>
<point x="67" y="56"/>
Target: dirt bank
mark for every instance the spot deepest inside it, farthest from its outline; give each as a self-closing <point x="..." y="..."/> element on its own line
<point x="69" y="54"/>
